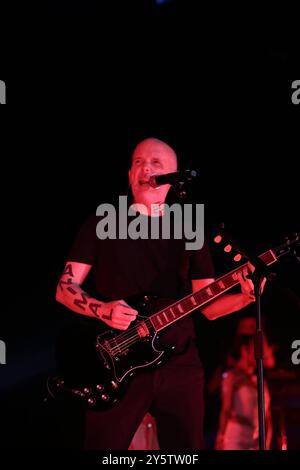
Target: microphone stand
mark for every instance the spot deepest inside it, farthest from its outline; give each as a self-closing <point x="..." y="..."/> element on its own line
<point x="261" y="271"/>
<point x="259" y="354"/>
<point x="257" y="277"/>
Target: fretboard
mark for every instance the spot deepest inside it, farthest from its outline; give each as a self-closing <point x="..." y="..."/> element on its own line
<point x="188" y="304"/>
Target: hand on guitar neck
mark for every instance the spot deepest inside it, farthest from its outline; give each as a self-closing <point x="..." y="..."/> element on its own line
<point x="247" y="286"/>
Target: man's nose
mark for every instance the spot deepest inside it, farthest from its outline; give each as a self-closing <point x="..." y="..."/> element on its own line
<point x="147" y="167"/>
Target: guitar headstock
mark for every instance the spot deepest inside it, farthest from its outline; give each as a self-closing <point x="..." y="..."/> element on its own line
<point x="230" y="246"/>
<point x="223" y="238"/>
<point x="289" y="246"/>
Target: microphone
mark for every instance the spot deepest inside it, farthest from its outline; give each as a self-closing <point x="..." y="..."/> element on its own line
<point x="178" y="177"/>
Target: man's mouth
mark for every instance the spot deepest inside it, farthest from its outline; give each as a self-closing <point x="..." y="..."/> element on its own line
<point x="144" y="182"/>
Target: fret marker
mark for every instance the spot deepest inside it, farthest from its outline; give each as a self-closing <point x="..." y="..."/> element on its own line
<point x="166" y="318"/>
<point x="173" y="314"/>
<point x="193" y="300"/>
<point x="221" y="284"/>
<point x="180" y="308"/>
<point x="209" y="292"/>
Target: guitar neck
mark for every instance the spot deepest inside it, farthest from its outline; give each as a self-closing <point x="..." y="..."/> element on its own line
<point x="188" y="304"/>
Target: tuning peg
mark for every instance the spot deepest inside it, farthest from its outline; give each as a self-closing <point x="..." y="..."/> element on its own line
<point x="218" y="239"/>
<point x="228" y="248"/>
<point x="220" y="234"/>
<point x="228" y="243"/>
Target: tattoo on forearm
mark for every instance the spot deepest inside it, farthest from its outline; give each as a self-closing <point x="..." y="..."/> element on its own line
<point x="94" y="309"/>
<point x="81" y="303"/>
<point x="108" y="317"/>
<point x="68" y="271"/>
<point x="73" y="291"/>
<point x="68" y="282"/>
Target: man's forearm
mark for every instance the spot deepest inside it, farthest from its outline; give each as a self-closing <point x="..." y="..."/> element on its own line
<point x="75" y="298"/>
<point x="225" y="305"/>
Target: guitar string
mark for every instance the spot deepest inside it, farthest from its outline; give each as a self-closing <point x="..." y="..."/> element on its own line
<point x="127" y="336"/>
<point x="130" y="337"/>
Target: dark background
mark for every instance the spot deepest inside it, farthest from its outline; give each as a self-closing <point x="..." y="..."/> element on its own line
<point x="85" y="84"/>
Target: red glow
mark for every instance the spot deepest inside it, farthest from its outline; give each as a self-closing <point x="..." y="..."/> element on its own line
<point x="237" y="257"/>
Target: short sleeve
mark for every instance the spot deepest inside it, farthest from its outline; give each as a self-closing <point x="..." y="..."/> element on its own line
<point x="201" y="263"/>
<point x="83" y="249"/>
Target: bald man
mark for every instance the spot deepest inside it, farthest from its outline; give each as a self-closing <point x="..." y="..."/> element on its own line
<point x="163" y="267"/>
<point x="151" y="156"/>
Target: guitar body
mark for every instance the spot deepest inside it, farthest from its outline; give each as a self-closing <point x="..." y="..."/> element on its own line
<point x="94" y="369"/>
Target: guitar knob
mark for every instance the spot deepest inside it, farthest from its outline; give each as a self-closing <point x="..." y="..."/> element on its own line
<point x="87" y="390"/>
<point x="91" y="401"/>
<point x="105" y="397"/>
<point x="99" y="388"/>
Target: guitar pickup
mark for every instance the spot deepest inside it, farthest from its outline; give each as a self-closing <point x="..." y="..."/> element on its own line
<point x="142" y="330"/>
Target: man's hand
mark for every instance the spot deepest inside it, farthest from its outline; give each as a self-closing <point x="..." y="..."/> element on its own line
<point x="117" y="314"/>
<point x="247" y="285"/>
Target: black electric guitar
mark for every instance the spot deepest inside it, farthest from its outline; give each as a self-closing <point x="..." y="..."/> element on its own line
<point x="95" y="367"/>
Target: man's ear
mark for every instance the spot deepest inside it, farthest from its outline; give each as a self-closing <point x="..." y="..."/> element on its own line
<point x="129" y="177"/>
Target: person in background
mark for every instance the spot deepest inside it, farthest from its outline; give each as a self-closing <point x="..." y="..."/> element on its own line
<point x="238" y="422"/>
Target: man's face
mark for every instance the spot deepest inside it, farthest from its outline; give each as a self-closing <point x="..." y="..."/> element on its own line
<point x="151" y="157"/>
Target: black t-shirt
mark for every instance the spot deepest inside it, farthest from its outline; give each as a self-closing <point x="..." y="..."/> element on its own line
<point x="124" y="268"/>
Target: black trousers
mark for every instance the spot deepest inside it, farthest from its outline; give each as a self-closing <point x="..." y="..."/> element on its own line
<point x="173" y="394"/>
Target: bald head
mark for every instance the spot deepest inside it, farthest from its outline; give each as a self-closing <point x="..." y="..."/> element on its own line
<point x="154" y="147"/>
